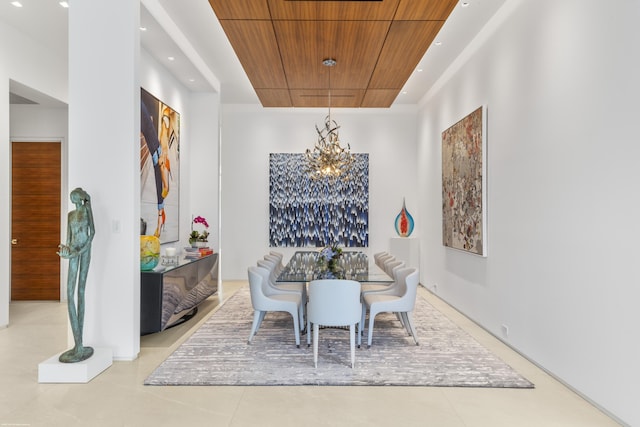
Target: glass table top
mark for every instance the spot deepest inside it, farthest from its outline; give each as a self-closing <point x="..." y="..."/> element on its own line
<point x="305" y="266"/>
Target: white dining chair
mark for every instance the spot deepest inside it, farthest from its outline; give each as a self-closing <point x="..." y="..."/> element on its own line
<point x="382" y="259"/>
<point x="378" y="255"/>
<point x="333" y="302"/>
<point x="392" y="271"/>
<point x="278" y="255"/>
<point x="299" y="287"/>
<point x="390" y="264"/>
<point x="264" y="300"/>
<point x="273" y="277"/>
<point x="401" y="301"/>
<point x="277" y="260"/>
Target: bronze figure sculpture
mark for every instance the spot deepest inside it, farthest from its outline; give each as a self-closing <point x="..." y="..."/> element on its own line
<point x="80" y="232"/>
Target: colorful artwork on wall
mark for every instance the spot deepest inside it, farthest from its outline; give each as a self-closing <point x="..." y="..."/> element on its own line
<point x="159" y="168"/>
<point x="304" y="212"/>
<point x="464" y="184"/>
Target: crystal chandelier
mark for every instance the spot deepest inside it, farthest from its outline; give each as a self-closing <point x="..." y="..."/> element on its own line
<point x="329" y="159"/>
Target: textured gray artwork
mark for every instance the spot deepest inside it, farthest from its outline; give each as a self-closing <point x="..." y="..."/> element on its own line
<point x="464" y="184"/>
<point x="218" y="354"/>
<point x="304" y="212"/>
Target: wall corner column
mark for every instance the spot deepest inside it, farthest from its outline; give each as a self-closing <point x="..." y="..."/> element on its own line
<point x="104" y="129"/>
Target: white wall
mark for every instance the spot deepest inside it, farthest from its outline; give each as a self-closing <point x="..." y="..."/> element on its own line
<point x="35" y="121"/>
<point x="23" y="61"/>
<point x="204" y="163"/>
<point x="560" y="80"/>
<point x="104" y="150"/>
<point x="249" y="134"/>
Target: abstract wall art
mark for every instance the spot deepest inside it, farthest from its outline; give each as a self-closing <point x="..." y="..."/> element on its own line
<point x="159" y="168"/>
<point x="305" y="212"/>
<point x="464" y="224"/>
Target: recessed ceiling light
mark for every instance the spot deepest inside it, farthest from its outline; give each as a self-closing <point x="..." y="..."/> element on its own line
<point x="16" y="3"/>
<point x="192" y="80"/>
<point x="64" y="4"/>
<point x="438" y="43"/>
<point x="465" y="4"/>
<point x="143" y="28"/>
<point x="170" y="58"/>
<point x="419" y="70"/>
<point x="404" y="92"/>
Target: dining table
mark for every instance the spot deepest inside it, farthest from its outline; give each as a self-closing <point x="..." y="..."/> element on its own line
<point x="305" y="266"/>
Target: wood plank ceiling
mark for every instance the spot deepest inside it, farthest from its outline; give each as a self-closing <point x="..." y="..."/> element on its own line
<point x="377" y="45"/>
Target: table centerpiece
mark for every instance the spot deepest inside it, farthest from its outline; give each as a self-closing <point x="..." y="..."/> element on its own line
<point x="329" y="263"/>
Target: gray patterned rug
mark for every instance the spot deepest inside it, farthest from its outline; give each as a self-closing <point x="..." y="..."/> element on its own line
<point x="218" y="354"/>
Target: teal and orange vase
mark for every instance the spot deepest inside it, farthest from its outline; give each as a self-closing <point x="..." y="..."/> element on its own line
<point x="404" y="222"/>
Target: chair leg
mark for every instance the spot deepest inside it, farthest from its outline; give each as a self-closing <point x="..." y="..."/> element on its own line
<point x="305" y="298"/>
<point x="401" y="320"/>
<point x="308" y="332"/>
<point x="262" y="315"/>
<point x="257" y="320"/>
<point x="316" y="329"/>
<point x="296" y="325"/>
<point x="352" y="342"/>
<point x="361" y="325"/>
<point x="409" y="326"/>
<point x="372" y="317"/>
<point x="301" y="315"/>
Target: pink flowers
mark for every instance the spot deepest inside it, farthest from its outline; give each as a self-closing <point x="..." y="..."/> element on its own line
<point x="195" y="235"/>
<point x="201" y="220"/>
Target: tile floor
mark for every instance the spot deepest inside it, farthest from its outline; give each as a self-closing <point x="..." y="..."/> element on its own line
<point x="117" y="397"/>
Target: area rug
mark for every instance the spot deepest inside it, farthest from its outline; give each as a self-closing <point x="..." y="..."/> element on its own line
<point x="218" y="354"/>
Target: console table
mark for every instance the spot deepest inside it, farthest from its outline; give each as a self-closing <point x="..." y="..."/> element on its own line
<point x="169" y="293"/>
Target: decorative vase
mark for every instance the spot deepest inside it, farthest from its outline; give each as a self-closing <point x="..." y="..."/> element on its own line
<point x="198" y="244"/>
<point x="149" y="252"/>
<point x="328" y="264"/>
<point x="404" y="222"/>
<point x="335" y="269"/>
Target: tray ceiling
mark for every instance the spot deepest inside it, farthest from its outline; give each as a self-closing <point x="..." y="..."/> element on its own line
<point x="377" y="44"/>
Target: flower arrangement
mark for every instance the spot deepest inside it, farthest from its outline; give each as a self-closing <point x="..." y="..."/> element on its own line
<point x="195" y="235"/>
<point x="328" y="260"/>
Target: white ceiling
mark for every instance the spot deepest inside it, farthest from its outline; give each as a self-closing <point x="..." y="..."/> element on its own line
<point x="189" y="31"/>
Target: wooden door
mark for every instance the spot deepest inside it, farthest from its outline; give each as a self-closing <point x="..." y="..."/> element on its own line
<point x="35" y="220"/>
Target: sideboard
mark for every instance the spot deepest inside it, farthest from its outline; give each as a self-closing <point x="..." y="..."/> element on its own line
<point x="170" y="294"/>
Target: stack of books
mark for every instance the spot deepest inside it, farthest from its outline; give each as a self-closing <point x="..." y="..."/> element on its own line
<point x="205" y="251"/>
<point x="195" y="253"/>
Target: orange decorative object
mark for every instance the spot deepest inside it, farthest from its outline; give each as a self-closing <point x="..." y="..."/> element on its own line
<point x="404" y="222"/>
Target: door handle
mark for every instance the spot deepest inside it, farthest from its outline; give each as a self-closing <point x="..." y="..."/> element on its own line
<point x="14" y="242"/>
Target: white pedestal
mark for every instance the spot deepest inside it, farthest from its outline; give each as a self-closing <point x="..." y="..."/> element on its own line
<point x="54" y="371"/>
<point x="406" y="249"/>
